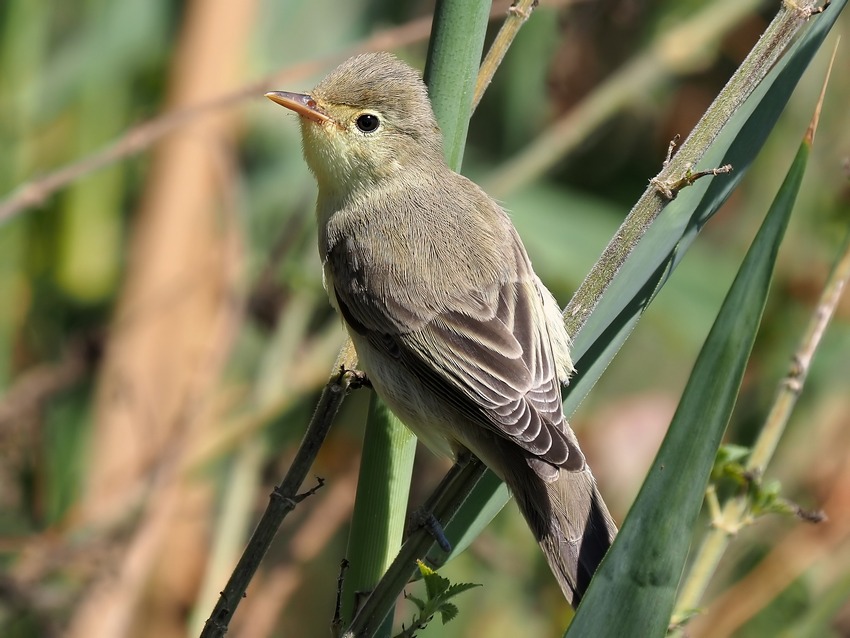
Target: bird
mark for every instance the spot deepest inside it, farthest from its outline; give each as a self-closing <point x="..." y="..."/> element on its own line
<point x="452" y="327"/>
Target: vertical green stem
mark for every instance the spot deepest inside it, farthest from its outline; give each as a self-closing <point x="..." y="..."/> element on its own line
<point x="454" y="53"/>
<point x="381" y="504"/>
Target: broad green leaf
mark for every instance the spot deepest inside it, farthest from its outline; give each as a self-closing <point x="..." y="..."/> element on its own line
<point x="640" y="575"/>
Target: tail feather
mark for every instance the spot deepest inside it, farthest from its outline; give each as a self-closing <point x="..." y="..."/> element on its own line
<point x="571" y="523"/>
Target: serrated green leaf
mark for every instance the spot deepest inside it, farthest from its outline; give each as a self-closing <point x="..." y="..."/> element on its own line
<point x="448" y="612"/>
<point x="459" y="588"/>
<point x="423" y="568"/>
<point x="435" y="585"/>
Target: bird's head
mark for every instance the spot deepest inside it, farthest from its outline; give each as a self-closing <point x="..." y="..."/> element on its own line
<point x="369" y="120"/>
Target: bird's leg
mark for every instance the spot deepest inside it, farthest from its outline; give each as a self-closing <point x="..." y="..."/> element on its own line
<point x="424" y="516"/>
<point x="433" y="527"/>
<point x="359" y="379"/>
<point x="346" y="362"/>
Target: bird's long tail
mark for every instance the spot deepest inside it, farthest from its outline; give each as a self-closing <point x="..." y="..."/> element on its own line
<point x="570" y="521"/>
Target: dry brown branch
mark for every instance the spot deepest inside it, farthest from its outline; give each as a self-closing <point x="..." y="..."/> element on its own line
<point x="282" y="501"/>
<point x="268" y="596"/>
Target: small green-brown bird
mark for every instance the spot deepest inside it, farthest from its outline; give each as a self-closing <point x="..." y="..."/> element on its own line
<point x="450" y="323"/>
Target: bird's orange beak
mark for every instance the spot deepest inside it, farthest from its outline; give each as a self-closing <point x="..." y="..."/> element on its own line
<point x="301" y="103"/>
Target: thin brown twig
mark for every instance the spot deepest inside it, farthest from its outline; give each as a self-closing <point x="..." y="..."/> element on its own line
<point x="517" y="15"/>
<point x="328" y="513"/>
<point x="142" y="136"/>
<point x="804" y="548"/>
<point x="732" y="516"/>
<point x="282" y="501"/>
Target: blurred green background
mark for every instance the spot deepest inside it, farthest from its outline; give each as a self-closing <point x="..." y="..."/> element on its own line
<point x="164" y="332"/>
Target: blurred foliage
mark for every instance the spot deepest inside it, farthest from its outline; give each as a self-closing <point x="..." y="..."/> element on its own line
<point x="76" y="75"/>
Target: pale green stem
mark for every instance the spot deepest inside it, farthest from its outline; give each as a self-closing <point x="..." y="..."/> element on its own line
<point x="454" y="54"/>
<point x="517" y="15"/>
<point x="752" y="71"/>
<point x="381" y="505"/>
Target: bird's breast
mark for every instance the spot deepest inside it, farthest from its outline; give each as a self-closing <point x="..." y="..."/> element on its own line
<point x="416" y="252"/>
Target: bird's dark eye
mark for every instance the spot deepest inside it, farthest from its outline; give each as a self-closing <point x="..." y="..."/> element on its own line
<point x="368" y="122"/>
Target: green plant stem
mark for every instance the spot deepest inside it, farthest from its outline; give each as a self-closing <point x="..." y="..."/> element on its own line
<point x="381" y="503"/>
<point x="733" y="514"/>
<point x="374" y="610"/>
<point x="454" y="54"/>
<point x="752" y="71"/>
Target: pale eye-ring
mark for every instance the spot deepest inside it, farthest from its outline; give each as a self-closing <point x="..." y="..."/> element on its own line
<point x="367" y="122"/>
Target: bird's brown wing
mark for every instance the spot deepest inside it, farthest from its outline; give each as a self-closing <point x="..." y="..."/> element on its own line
<point x="486" y="353"/>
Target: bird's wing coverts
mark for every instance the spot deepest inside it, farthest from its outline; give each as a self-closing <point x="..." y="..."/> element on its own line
<point x="489" y="355"/>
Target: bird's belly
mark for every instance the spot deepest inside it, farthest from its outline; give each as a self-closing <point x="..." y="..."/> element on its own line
<point x="430" y="419"/>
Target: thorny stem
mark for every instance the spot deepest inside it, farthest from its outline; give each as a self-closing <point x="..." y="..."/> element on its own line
<point x="282" y="501"/>
<point x="755" y="67"/>
<point x="517" y="15"/>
